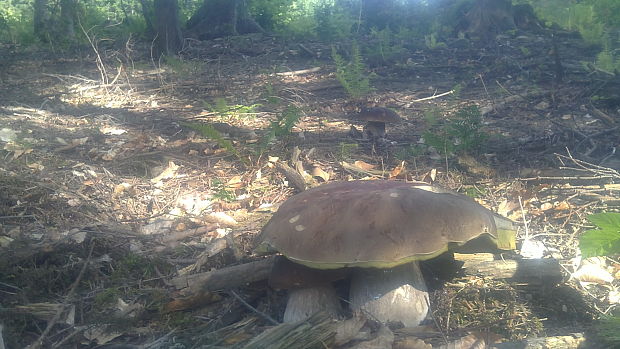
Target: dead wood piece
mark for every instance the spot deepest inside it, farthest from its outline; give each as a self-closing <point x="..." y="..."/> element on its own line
<point x="303" y="71"/>
<point x="318" y="330"/>
<point x="529" y="271"/>
<point x="225" y="278"/>
<point x="534" y="272"/>
<point x="295" y="179"/>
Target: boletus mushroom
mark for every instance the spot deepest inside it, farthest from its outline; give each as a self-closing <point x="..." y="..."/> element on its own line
<point x="375" y="119"/>
<point x="378" y="230"/>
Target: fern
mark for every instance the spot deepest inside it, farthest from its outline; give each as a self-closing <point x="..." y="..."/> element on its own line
<point x="462" y="134"/>
<point x="351" y="75"/>
<point x="210" y="132"/>
<point x="223" y="109"/>
<point x="282" y="126"/>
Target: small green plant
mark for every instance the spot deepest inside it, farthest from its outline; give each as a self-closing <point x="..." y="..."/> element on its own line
<point x="345" y="150"/>
<point x="463" y="133"/>
<point x="525" y="51"/>
<point x="182" y="68"/>
<point x="475" y="192"/>
<point x="608" y="330"/>
<point x="384" y="44"/>
<point x="332" y="22"/>
<point x="221" y="192"/>
<point x="432" y="43"/>
<point x="210" y="132"/>
<point x="270" y="95"/>
<point x="351" y="74"/>
<point x="222" y="108"/>
<point x="603" y="241"/>
<point x="456" y="91"/>
<point x="282" y="126"/>
<point x="605" y="60"/>
<point x="133" y="267"/>
<point x="106" y="298"/>
<point x="410" y="152"/>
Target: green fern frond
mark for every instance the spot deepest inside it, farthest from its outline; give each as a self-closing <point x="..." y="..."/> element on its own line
<point x="352" y="74"/>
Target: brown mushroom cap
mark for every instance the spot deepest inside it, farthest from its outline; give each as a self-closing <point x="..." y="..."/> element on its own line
<point x="377" y="224"/>
<point x="378" y="114"/>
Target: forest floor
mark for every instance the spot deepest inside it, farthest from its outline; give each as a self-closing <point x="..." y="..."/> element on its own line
<point x="109" y="192"/>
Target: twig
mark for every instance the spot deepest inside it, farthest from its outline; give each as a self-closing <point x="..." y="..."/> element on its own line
<point x="487" y="91"/>
<point x="433" y="96"/>
<point x="24" y="216"/>
<point x="37" y="344"/>
<point x="525" y="226"/>
<point x="265" y="316"/>
<point x="300" y="72"/>
<point x="100" y="65"/>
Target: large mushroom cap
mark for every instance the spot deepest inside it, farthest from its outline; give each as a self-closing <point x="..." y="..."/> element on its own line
<point x="378" y="114"/>
<point x="377" y="224"/>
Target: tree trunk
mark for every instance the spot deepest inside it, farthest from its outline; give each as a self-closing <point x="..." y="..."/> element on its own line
<point x="68" y="14"/>
<point x="217" y="18"/>
<point x="378" y="13"/>
<point x="487" y="18"/>
<point x="147" y="13"/>
<point x="168" y="40"/>
<point x="41" y="19"/>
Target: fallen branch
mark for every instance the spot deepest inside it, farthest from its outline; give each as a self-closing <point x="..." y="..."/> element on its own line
<point x="225" y="278"/>
<point x="295" y="179"/>
<point x="534" y="272"/>
<point x="303" y="71"/>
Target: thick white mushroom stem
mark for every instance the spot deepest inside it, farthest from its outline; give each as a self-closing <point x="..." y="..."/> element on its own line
<point x="304" y="302"/>
<point x="391" y="295"/>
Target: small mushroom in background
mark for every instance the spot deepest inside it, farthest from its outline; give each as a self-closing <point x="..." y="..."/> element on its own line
<point x="376" y="231"/>
<point x="375" y="119"/>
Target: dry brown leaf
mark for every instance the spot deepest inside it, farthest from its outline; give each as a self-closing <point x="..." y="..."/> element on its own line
<point x="169" y="172"/>
<point x="429" y="177"/>
<point x="121" y="188"/>
<point x="318" y="172"/>
<point x="364" y="165"/>
<point x="221" y="218"/>
<point x="563" y="206"/>
<point x="397" y="170"/>
<point x="74" y="143"/>
<point x="593" y="273"/>
<point x="36" y="166"/>
<point x="235" y="182"/>
<point x="546" y="206"/>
